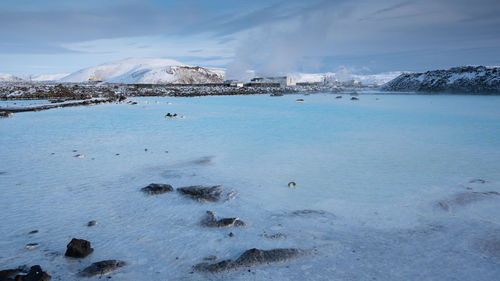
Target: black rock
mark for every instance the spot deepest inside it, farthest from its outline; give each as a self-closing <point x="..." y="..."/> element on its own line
<point x="212" y="221"/>
<point x="78" y="248"/>
<point x="354" y="98"/>
<point x="252" y="257"/>
<point x="33" y="232"/>
<point x="35" y="274"/>
<point x="92" y="223"/>
<point x="102" y="268"/>
<point x="157" y="188"/>
<point x="202" y="193"/>
<point x="5" y="275"/>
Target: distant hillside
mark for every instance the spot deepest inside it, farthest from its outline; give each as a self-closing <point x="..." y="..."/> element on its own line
<point x="9" y="78"/>
<point x="147" y="71"/>
<point x="465" y="79"/>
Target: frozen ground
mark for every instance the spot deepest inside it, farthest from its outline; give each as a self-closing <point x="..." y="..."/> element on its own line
<point x="385" y="180"/>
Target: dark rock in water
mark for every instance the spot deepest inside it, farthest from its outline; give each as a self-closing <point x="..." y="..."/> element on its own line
<point x="102" y="268"/>
<point x="231" y="234"/>
<point x="338" y="97"/>
<point x="4" y="114"/>
<point x="274" y="236"/>
<point x="202" y="193"/>
<point x="219" y="266"/>
<point x="35" y="274"/>
<point x="169" y="115"/>
<point x="5" y="275"/>
<point x="157" y="188"/>
<point x="354" y="98"/>
<point x="211" y="221"/>
<point x="467" y="198"/>
<point x="299" y="100"/>
<point x="252" y="257"/>
<point x="292" y="184"/>
<point x="444" y="205"/>
<point x="92" y="223"/>
<point x="78" y="248"/>
<point x="478" y="181"/>
<point x="32" y="246"/>
<point x="33" y="232"/>
<point x="211" y="258"/>
<point x="307" y="212"/>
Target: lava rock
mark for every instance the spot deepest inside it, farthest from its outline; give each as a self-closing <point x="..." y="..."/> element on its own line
<point x="78" y="248"/>
<point x="253" y="257"/>
<point x="4" y="114"/>
<point x="157" y="188"/>
<point x="212" y="221"/>
<point x="102" y="268"/>
<point x="35" y="274"/>
<point x="202" y="193"/>
<point x="6" y="274"/>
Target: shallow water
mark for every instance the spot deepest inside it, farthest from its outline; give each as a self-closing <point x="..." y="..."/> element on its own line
<point x="372" y="170"/>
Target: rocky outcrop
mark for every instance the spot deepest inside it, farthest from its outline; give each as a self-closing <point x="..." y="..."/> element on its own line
<point x="465" y="79"/>
<point x="252" y="257"/>
<point x="78" y="248"/>
<point x="102" y="268"/>
<point x="212" y="221"/>
<point x="202" y="193"/>
<point x="157" y="188"/>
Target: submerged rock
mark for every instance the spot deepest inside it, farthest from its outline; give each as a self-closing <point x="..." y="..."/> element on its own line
<point x="33" y="232"/>
<point x="467" y="198"/>
<point x="78" y="248"/>
<point x="92" y="223"/>
<point x="338" y="97"/>
<point x="157" y="188"/>
<point x="251" y="258"/>
<point x="102" y="268"/>
<point x="478" y="181"/>
<point x="278" y="235"/>
<point x="212" y="221"/>
<point x="299" y="100"/>
<point x="202" y="193"/>
<point x="354" y="98"/>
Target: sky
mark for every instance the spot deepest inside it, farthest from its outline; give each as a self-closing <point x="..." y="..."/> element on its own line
<point x="271" y="37"/>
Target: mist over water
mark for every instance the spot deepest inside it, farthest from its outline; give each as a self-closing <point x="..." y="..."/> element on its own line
<point x="370" y="175"/>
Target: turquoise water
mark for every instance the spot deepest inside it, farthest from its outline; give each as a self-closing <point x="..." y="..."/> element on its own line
<point x="374" y="169"/>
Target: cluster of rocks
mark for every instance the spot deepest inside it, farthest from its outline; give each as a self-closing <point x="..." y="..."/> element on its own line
<point x="250" y="257"/>
<point x="35" y="273"/>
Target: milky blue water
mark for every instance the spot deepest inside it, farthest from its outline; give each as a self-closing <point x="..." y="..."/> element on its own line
<point x="372" y="171"/>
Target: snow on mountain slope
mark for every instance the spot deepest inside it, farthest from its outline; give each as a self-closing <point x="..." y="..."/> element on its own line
<point x="47" y="77"/>
<point x="465" y="79"/>
<point x="9" y="78"/>
<point x="147" y="71"/>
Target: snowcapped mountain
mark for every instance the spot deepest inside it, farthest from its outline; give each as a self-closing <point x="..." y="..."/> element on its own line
<point x="465" y="79"/>
<point x="147" y="71"/>
<point x="9" y="78"/>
